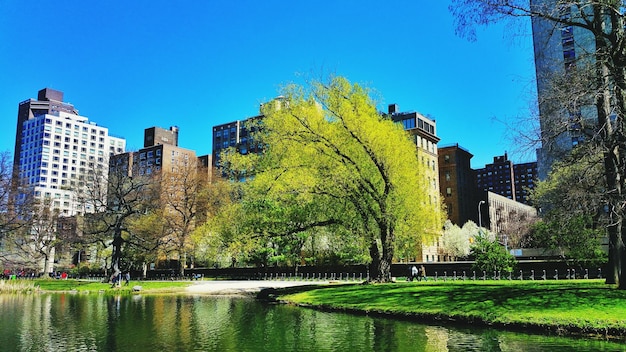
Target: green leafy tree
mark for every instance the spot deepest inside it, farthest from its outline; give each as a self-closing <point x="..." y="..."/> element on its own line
<point x="572" y="201"/>
<point x="490" y="256"/>
<point x="331" y="160"/>
<point x="574" y="238"/>
<point x="224" y="237"/>
<point x="574" y="187"/>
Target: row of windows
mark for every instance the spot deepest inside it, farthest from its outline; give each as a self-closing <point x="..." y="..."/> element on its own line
<point x="68" y="125"/>
<point x="149" y="154"/>
<point x="225" y="132"/>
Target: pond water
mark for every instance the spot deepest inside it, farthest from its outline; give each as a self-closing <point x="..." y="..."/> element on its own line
<point x="81" y="322"/>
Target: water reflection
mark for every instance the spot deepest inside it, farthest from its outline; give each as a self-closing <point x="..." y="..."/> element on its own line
<point x="64" y="322"/>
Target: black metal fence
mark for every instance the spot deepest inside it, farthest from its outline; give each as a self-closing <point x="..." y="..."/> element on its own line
<point x="524" y="270"/>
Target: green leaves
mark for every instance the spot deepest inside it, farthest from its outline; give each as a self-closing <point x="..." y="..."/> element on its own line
<point x="331" y="160"/>
<point x="490" y="256"/>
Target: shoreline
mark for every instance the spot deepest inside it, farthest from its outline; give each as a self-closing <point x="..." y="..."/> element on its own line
<point x="609" y="334"/>
<point x="462" y="319"/>
<point x="279" y="291"/>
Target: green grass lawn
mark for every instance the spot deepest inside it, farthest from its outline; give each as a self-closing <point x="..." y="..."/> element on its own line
<point x="96" y="286"/>
<point x="572" y="306"/>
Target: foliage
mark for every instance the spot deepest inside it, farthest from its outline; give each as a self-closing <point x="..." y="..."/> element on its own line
<point x="224" y="238"/>
<point x="574" y="187"/>
<point x="332" y="161"/>
<point x="17" y="286"/>
<point x="34" y="242"/>
<point x="572" y="238"/>
<point x="17" y="207"/>
<point x="572" y="201"/>
<point x="490" y="256"/>
<point x="336" y="247"/>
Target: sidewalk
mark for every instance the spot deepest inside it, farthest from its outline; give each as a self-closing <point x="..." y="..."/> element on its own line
<point x="228" y="287"/>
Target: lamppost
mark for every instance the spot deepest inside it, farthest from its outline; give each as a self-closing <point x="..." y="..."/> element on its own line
<point x="480" y="218"/>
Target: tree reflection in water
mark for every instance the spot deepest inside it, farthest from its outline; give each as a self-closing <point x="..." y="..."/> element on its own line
<point x="96" y="322"/>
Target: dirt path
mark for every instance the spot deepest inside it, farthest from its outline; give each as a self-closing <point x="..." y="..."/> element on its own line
<point x="219" y="287"/>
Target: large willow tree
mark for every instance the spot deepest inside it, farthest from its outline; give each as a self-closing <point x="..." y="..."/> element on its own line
<point x="332" y="160"/>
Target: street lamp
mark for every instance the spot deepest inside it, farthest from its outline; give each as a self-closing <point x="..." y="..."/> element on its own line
<point x="480" y="218"/>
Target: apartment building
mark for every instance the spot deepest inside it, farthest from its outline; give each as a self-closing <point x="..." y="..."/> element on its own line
<point x="513" y="181"/>
<point x="423" y="132"/>
<point x="56" y="150"/>
<point x="458" y="184"/>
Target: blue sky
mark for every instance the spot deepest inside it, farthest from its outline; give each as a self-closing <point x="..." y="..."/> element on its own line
<point x="130" y="65"/>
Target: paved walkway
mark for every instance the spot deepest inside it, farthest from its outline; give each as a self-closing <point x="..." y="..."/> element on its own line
<point x="224" y="287"/>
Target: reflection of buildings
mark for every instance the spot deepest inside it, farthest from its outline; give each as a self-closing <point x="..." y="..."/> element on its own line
<point x="423" y="134"/>
<point x="58" y="151"/>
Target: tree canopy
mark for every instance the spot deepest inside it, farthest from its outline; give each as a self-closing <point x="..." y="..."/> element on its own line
<point x="332" y="160"/>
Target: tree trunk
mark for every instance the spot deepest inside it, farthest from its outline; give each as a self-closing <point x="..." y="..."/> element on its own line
<point x="116" y="254"/>
<point x="388" y="251"/>
<point x="611" y="153"/>
<point x="182" y="263"/>
<point x="619" y="76"/>
<point x="375" y="264"/>
<point x="381" y="262"/>
<point x="46" y="264"/>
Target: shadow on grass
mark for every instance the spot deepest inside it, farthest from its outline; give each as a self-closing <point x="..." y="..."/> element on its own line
<point x="574" y="306"/>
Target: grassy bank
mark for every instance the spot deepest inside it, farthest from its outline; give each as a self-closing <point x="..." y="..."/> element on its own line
<point x="71" y="285"/>
<point x="15" y="286"/>
<point x="573" y="307"/>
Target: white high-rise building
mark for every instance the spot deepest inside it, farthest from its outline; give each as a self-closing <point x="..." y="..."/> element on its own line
<point x="57" y="152"/>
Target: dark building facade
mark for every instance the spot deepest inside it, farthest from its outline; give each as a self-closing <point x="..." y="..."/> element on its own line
<point x="457" y="184"/>
<point x="155" y="135"/>
<point x="236" y="134"/>
<point x="507" y="179"/>
<point x="525" y="175"/>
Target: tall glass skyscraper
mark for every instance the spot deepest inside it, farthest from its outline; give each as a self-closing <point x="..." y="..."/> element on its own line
<point x="559" y="49"/>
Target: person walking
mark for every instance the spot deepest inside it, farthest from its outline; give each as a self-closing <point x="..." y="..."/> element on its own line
<point x="414" y="273"/>
<point x="422" y="273"/>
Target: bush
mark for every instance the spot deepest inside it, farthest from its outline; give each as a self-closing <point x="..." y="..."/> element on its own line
<point x="490" y="256"/>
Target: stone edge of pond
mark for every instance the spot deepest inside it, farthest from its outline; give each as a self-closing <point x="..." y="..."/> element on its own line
<point x="608" y="333"/>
